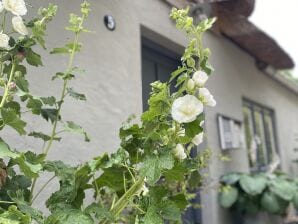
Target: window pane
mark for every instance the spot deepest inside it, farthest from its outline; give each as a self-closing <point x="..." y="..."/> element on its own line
<point x="250" y="144"/>
<point x="260" y="138"/>
<point x="271" y="147"/>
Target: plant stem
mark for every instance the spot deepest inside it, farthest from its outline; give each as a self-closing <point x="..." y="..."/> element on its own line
<point x="125" y="199"/>
<point x="6" y="91"/>
<point x="7" y="202"/>
<point x="63" y="95"/>
<point x="41" y="189"/>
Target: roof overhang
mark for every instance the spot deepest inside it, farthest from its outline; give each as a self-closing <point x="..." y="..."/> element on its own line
<point x="232" y="23"/>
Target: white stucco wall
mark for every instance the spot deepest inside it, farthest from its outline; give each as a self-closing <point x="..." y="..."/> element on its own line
<point x="112" y="84"/>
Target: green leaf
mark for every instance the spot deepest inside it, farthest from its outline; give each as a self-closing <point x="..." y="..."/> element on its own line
<point x="29" y="169"/>
<point x="152" y="216"/>
<point x="231" y="178"/>
<point x="14" y="216"/>
<point x="295" y="200"/>
<point x="180" y="201"/>
<point x="270" y="203"/>
<point x="151" y="169"/>
<point x="169" y="210"/>
<point x="252" y="185"/>
<point x="283" y="188"/>
<point x="177" y="72"/>
<point x="99" y="212"/>
<point x="33" y="58"/>
<point x="167" y="161"/>
<point x="228" y="196"/>
<point x="5" y="152"/>
<point x="11" y="119"/>
<point x="75" y="95"/>
<point x="176" y="173"/>
<point x="49" y="114"/>
<point x="51" y="101"/>
<point x="43" y="136"/>
<point x="35" y="105"/>
<point x="60" y="50"/>
<point x="69" y="216"/>
<point x="72" y="127"/>
<point x="193" y="128"/>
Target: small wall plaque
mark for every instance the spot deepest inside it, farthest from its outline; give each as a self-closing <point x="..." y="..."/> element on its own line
<point x="230" y="132"/>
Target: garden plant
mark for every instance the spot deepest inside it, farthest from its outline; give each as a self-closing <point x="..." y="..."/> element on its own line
<point x="263" y="192"/>
<point x="147" y="180"/>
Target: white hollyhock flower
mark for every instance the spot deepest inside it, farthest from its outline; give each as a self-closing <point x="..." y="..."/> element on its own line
<point x="206" y="97"/>
<point x="4" y="40"/>
<point x="200" y="78"/>
<point x="186" y="109"/>
<point x="179" y="153"/>
<point x="19" y="26"/>
<point x="198" y="139"/>
<point x="1" y="7"/>
<point x="16" y="7"/>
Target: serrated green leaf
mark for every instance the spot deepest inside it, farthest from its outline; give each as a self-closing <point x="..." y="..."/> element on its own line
<point x="72" y="127"/>
<point x="5" y="152"/>
<point x="11" y="119"/>
<point x="69" y="216"/>
<point x="151" y="169"/>
<point x="43" y="136"/>
<point x="75" y="95"/>
<point x="152" y="216"/>
<point x="33" y="58"/>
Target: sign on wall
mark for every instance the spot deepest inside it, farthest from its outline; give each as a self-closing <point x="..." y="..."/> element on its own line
<point x="230" y="132"/>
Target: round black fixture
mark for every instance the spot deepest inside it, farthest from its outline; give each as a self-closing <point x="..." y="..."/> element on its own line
<point x="109" y="22"/>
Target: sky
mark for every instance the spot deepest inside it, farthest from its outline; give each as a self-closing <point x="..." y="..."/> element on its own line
<point x="279" y="19"/>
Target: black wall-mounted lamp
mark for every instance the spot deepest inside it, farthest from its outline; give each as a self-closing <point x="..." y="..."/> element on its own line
<point x="110" y="22"/>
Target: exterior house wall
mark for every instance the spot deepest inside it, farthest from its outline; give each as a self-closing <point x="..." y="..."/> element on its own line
<point x="113" y="83"/>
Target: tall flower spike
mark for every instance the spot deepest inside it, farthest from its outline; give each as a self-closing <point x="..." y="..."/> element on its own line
<point x="16" y="7"/>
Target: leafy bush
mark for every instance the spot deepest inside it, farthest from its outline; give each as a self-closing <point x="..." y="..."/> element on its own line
<point x="146" y="180"/>
<point x="251" y="193"/>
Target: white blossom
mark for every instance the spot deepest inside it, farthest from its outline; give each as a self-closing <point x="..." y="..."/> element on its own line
<point x="179" y="152"/>
<point x="198" y="139"/>
<point x="186" y="109"/>
<point x="19" y="26"/>
<point x="190" y="85"/>
<point x="206" y="97"/>
<point x="200" y="78"/>
<point x="4" y="40"/>
<point x="16" y="7"/>
<point x="1" y="7"/>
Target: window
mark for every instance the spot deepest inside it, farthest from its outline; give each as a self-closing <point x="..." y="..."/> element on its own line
<point x="259" y="135"/>
<point x="157" y="64"/>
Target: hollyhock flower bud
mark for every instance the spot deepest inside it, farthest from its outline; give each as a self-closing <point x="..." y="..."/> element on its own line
<point x="200" y="78"/>
<point x="198" y="139"/>
<point x="179" y="152"/>
<point x="206" y="97"/>
<point x="12" y="86"/>
<point x="4" y="40"/>
<point x="186" y="109"/>
<point x="2" y="82"/>
<point x="19" y="26"/>
<point x="16" y="7"/>
<point x="190" y="85"/>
